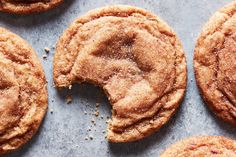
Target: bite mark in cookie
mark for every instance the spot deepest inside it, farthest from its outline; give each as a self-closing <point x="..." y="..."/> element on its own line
<point x="135" y="57"/>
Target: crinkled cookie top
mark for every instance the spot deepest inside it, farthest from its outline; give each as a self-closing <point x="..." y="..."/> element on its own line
<point x="135" y="57"/>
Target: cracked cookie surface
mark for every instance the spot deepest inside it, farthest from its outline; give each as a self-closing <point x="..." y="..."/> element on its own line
<point x="23" y="93"/>
<point x="215" y="63"/>
<point x="202" y="146"/>
<point x="27" y="6"/>
<point x="135" y="57"/>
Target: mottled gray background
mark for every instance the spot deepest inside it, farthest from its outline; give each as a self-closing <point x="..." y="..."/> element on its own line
<point x="63" y="133"/>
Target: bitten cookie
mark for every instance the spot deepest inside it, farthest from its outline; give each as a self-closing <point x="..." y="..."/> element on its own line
<point x="27" y="6"/>
<point x="23" y="93"/>
<point x="215" y="63"/>
<point x="202" y="146"/>
<point x="135" y="57"/>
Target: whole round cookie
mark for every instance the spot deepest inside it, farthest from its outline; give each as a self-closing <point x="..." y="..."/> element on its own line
<point x="135" y="57"/>
<point x="23" y="93"/>
<point x="202" y="146"/>
<point x="27" y="6"/>
<point x="215" y="63"/>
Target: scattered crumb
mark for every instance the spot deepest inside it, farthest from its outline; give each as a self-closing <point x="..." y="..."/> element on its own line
<point x="44" y="56"/>
<point x="86" y="138"/>
<point x="46" y="49"/>
<point x="51" y="111"/>
<point x="70" y="86"/>
<point x="85" y="113"/>
<point x="103" y="131"/>
<point x="91" y="137"/>
<point x="97" y="104"/>
<point x="96" y="113"/>
<point x="68" y="99"/>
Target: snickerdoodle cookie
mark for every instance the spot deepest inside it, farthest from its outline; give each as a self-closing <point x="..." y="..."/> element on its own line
<point x="23" y="93"/>
<point x="215" y="63"/>
<point x="202" y="146"/>
<point x="27" y="6"/>
<point x="135" y="57"/>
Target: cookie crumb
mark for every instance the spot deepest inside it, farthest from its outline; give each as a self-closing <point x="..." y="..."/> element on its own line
<point x="93" y="121"/>
<point x="97" y="104"/>
<point x="96" y="113"/>
<point x="44" y="56"/>
<point x="46" y="49"/>
<point x="70" y="87"/>
<point x="68" y="99"/>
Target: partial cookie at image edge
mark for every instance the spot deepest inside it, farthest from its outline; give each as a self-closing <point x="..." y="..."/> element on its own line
<point x="28" y="8"/>
<point x="208" y="146"/>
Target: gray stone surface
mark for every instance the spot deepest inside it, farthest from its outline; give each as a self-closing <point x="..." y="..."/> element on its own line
<point x="63" y="133"/>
